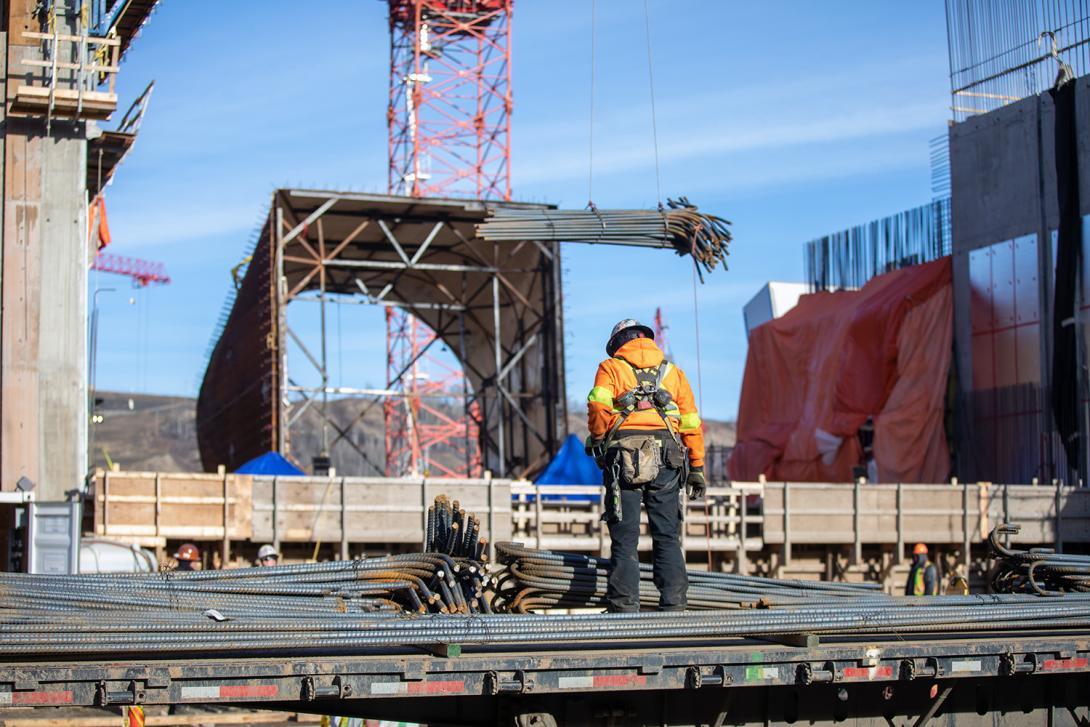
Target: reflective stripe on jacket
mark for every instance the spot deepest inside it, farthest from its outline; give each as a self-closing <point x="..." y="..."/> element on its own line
<point x="615" y="376"/>
<point x="923" y="580"/>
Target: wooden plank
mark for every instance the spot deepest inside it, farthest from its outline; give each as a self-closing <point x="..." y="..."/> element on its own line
<point x="90" y="67"/>
<point x="241" y="525"/>
<point x="217" y="500"/>
<point x="92" y="39"/>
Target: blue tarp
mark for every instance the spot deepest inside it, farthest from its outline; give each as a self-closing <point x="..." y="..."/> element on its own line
<point x="571" y="466"/>
<point x="270" y="463"/>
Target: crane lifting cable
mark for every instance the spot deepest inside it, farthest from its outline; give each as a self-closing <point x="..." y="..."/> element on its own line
<point x="680" y="226"/>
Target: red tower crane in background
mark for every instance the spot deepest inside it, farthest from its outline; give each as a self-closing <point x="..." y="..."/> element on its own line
<point x="449" y="119"/>
<point x="449" y="114"/>
<point x="142" y="272"/>
<point x="662" y="336"/>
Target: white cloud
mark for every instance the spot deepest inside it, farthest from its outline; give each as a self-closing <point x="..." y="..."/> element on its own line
<point x="719" y="139"/>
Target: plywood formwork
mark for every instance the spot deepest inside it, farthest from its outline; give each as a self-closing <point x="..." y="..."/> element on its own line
<point x="495" y="306"/>
<point x="150" y="508"/>
<point x="370" y="510"/>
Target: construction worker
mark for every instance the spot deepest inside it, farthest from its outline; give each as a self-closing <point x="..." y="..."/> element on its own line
<point x="188" y="557"/>
<point x="645" y="434"/>
<point x="267" y="555"/>
<point x="923" y="577"/>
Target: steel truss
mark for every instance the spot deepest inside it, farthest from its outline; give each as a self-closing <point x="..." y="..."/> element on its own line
<point x="496" y="305"/>
<point x="449" y="115"/>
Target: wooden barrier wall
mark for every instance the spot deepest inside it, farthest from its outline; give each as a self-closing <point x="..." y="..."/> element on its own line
<point x="149" y="508"/>
<point x="744" y="520"/>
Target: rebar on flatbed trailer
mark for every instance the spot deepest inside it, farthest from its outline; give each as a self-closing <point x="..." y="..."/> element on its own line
<point x="188" y="633"/>
<point x="1040" y="570"/>
<point x="539" y="579"/>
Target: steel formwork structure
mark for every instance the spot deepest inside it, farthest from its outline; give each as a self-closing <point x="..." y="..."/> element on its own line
<point x="496" y="306"/>
<point x="449" y="114"/>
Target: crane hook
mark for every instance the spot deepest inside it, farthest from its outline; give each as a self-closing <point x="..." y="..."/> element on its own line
<point x="1065" y="72"/>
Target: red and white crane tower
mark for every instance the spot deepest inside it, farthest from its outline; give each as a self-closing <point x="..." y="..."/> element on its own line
<point x="449" y="114"/>
<point x="449" y="119"/>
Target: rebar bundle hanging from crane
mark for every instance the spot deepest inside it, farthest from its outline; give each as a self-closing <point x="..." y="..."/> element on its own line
<point x="680" y="226"/>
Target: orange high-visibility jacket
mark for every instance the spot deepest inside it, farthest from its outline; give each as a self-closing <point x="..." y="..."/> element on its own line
<point x="615" y="376"/>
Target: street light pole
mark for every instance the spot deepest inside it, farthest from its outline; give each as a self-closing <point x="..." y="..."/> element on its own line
<point x="93" y="365"/>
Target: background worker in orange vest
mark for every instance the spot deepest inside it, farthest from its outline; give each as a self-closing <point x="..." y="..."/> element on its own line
<point x="923" y="578"/>
<point x="646" y="436"/>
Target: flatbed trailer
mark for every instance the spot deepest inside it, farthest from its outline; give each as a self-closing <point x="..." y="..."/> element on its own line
<point x="994" y="678"/>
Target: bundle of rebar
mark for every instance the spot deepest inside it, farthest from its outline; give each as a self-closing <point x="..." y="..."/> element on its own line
<point x="532" y="580"/>
<point x="412" y="583"/>
<point x="1041" y="571"/>
<point x="680" y="225"/>
<point x="119" y="634"/>
<point x="451" y="531"/>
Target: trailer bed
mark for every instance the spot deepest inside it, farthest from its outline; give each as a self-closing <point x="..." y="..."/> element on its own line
<point x="483" y="684"/>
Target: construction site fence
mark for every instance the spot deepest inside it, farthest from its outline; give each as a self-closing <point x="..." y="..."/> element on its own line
<point x="734" y="521"/>
<point x="150" y="508"/>
<point x="748" y="517"/>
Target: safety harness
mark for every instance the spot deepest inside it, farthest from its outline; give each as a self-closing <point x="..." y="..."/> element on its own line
<point x="648" y="394"/>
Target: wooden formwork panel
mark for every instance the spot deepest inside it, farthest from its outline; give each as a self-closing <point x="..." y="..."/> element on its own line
<point x="931" y="513"/>
<point x="822" y="513"/>
<point x="1043" y="516"/>
<point x="375" y="510"/>
<point x="151" y="507"/>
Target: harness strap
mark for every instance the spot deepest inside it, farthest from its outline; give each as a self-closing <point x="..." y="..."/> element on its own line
<point x="660" y="374"/>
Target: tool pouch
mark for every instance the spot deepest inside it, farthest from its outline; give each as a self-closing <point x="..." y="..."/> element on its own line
<point x="640" y="457"/>
<point x="674" y="455"/>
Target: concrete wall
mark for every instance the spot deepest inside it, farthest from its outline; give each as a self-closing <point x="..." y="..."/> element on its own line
<point x="1004" y="211"/>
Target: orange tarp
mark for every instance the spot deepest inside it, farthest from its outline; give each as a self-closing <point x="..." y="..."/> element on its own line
<point x="815" y="375"/>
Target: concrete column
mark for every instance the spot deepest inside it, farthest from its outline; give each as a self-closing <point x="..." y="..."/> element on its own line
<point x="43" y="289"/>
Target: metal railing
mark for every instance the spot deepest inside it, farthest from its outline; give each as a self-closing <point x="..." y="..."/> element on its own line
<point x="65" y="77"/>
<point x="569" y="517"/>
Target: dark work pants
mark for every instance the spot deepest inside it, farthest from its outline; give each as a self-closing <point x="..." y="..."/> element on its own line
<point x="662" y="499"/>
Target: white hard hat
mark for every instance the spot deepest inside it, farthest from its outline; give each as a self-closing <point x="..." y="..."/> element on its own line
<point x="267" y="551"/>
<point x="627" y="324"/>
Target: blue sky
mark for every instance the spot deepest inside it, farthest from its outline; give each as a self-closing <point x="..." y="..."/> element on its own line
<point x="792" y="119"/>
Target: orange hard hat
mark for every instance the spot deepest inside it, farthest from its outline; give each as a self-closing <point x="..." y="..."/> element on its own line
<point x="188" y="551"/>
<point x="920" y="549"/>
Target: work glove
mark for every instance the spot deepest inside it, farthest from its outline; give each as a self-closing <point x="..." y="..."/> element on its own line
<point x="695" y="486"/>
<point x="593" y="448"/>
